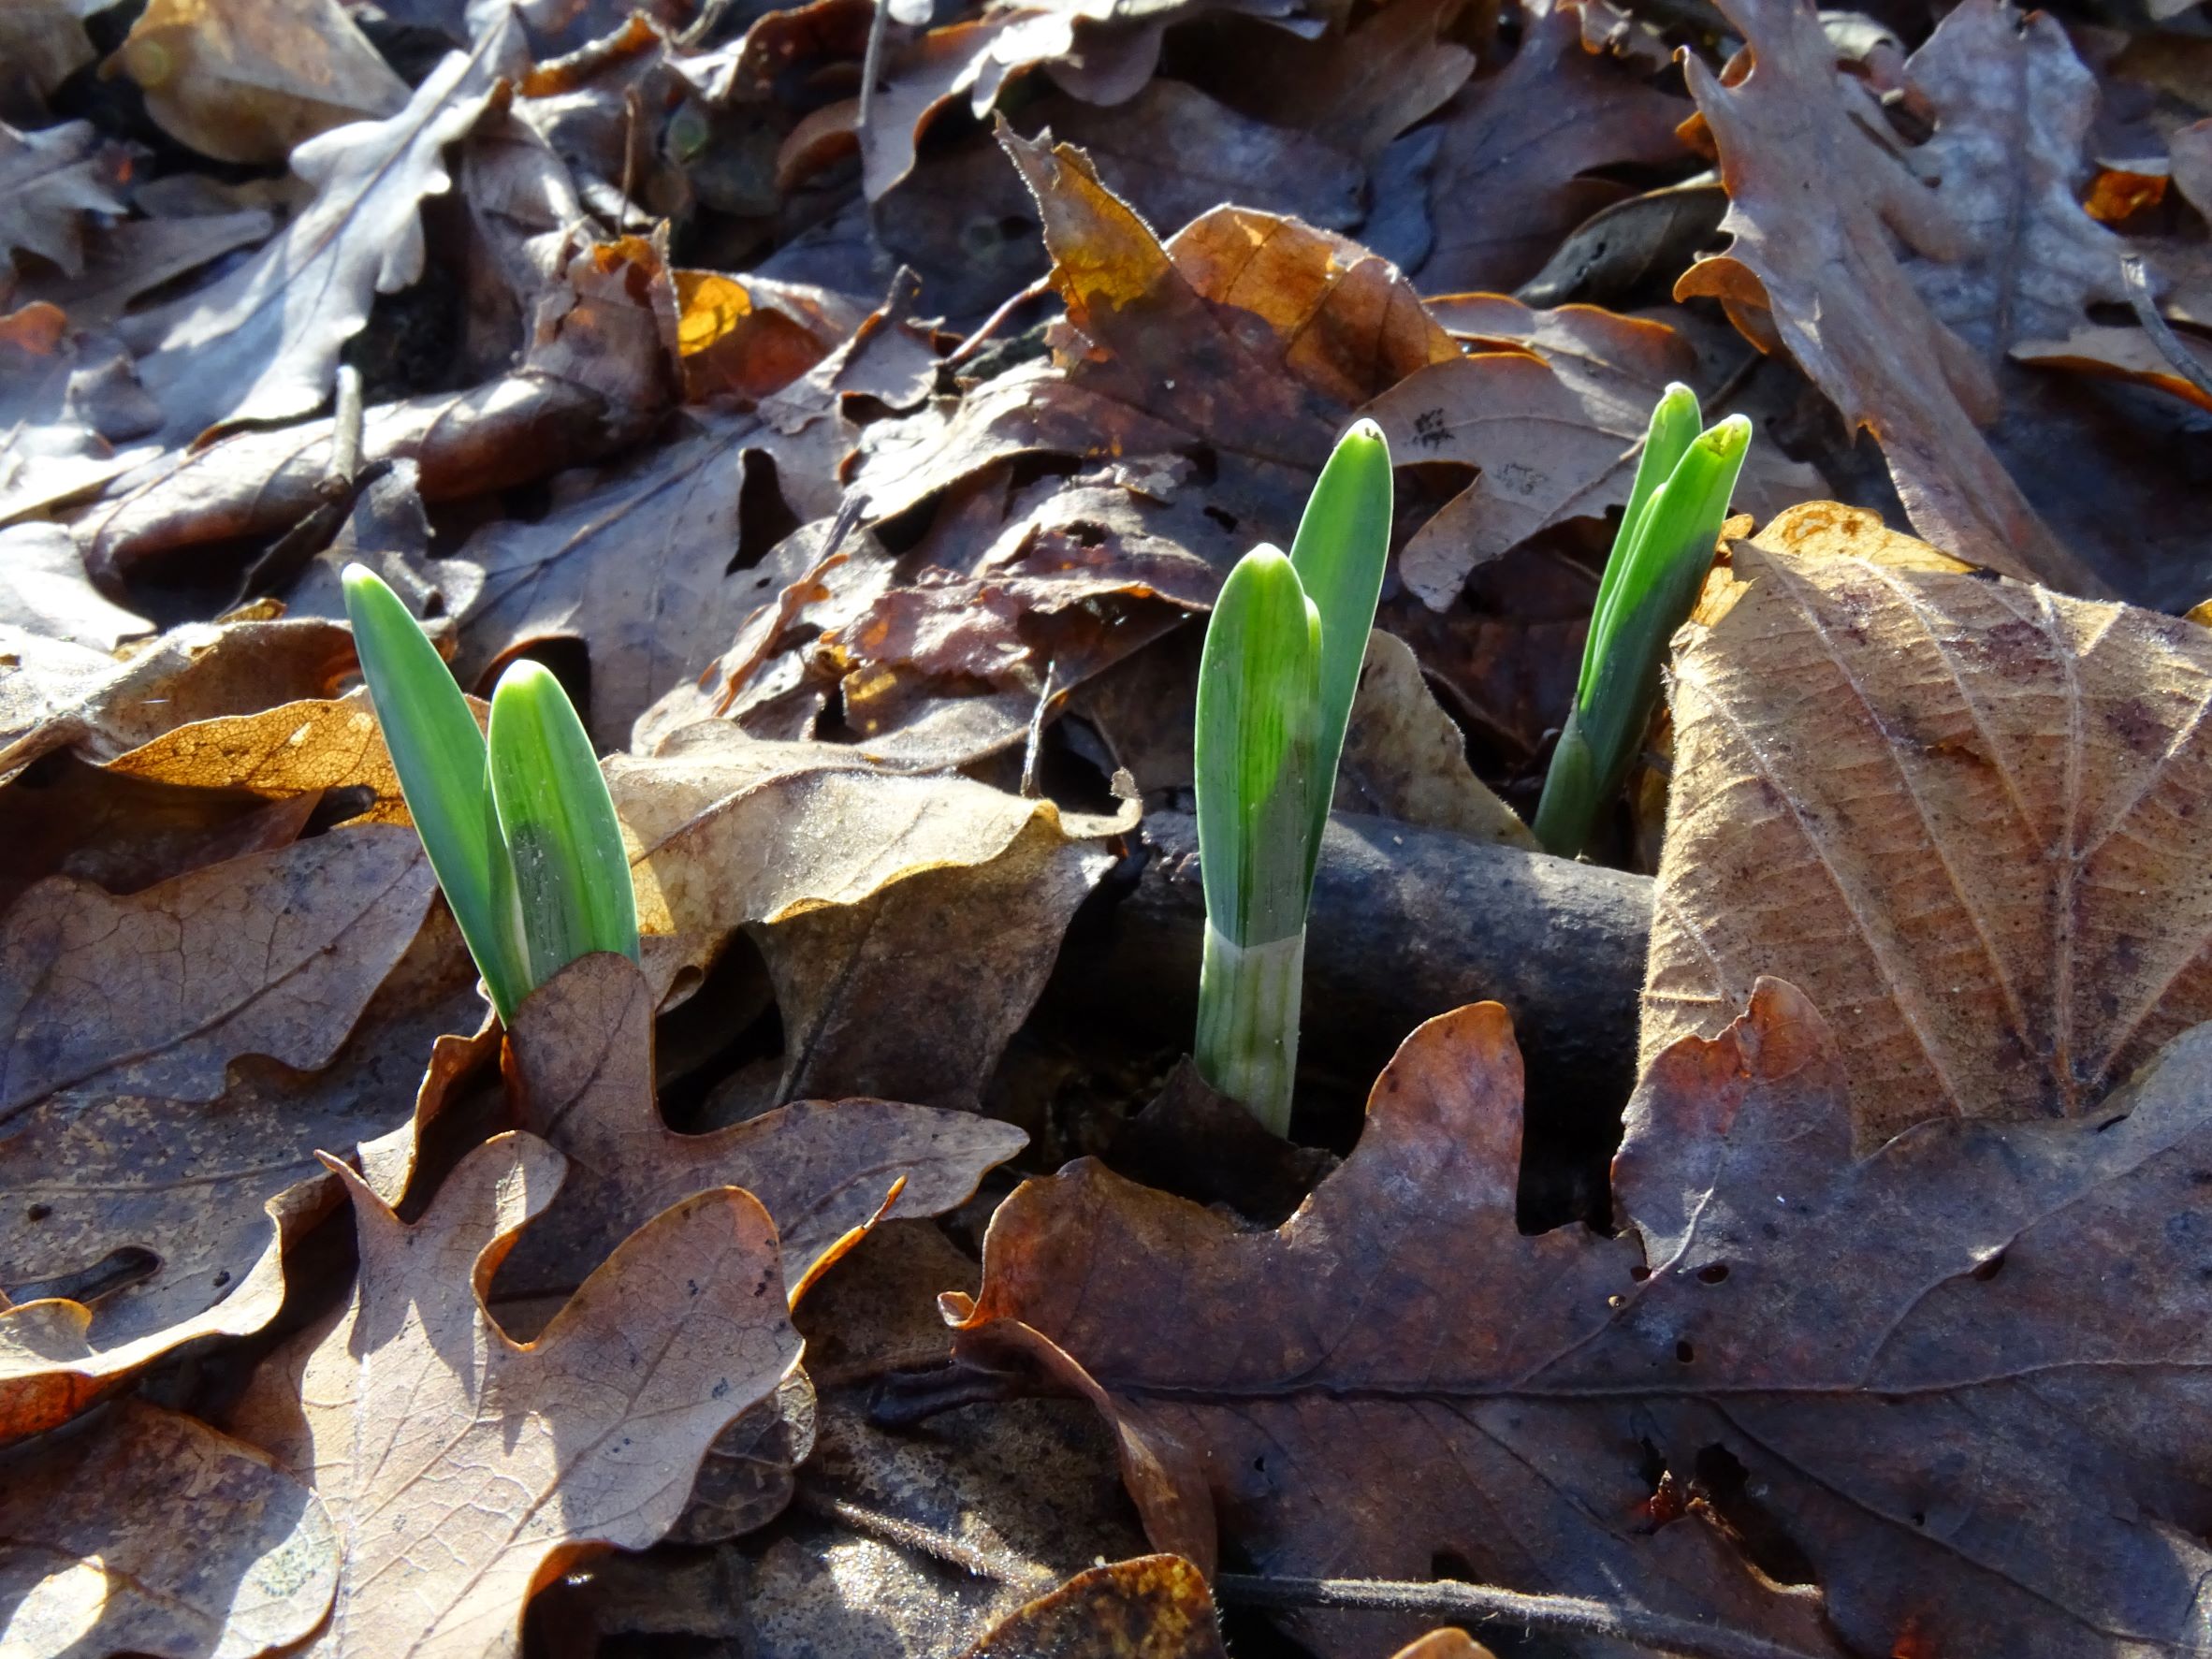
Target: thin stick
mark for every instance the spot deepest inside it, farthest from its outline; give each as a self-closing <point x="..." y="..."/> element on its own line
<point x="345" y="437"/>
<point x="871" y="66"/>
<point x="2186" y="363"/>
<point x="996" y="1568"/>
<point x="1033" y="751"/>
<point x="1564" y="1615"/>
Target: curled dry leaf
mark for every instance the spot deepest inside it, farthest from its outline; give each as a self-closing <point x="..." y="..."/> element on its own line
<point x="1157" y="1607"/>
<point x="582" y="1063"/>
<point x="71" y="411"/>
<point x="463" y="1470"/>
<point x="1511" y="172"/>
<point x="1953" y="1382"/>
<point x="261" y="343"/>
<point x="595" y="376"/>
<point x="1960" y="813"/>
<point x="246" y="80"/>
<point x="150" y="1532"/>
<point x="1910" y="345"/>
<point x="1404" y="758"/>
<point x="1553" y="414"/>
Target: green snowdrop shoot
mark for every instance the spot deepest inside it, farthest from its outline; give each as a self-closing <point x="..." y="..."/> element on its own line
<point x="1275" y="686"/>
<point x="522" y="833"/>
<point x="1658" y="564"/>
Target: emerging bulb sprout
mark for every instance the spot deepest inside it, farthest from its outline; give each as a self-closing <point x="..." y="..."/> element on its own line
<point x="1657" y="566"/>
<point x="1276" y="681"/>
<point x="520" y="830"/>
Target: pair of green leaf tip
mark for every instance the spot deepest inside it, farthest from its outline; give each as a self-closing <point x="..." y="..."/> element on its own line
<point x="1276" y="680"/>
<point x="520" y="828"/>
<point x="1652" y="580"/>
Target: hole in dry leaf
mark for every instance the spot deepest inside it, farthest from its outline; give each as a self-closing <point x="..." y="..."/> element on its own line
<point x="763" y="518"/>
<point x="1721" y="1483"/>
<point x="1640" y="1273"/>
<point x="38" y="1211"/>
<point x="1684" y="1351"/>
<point x="1713" y="1273"/>
<point x="1221" y="515"/>
<point x="1989" y="1268"/>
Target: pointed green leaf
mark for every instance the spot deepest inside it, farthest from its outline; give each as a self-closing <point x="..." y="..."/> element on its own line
<point x="438" y="750"/>
<point x="571" y="872"/>
<point x="1673" y="427"/>
<point x="1343" y="541"/>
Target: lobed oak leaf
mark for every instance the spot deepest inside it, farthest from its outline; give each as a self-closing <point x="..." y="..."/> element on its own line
<point x="261" y="343"/>
<point x="463" y="1470"/>
<point x="1910" y="343"/>
<point x="1962" y="813"/>
<point x="1949" y="1386"/>
<point x="150" y="1532"/>
<point x="581" y="1057"/>
<point x="50" y="179"/>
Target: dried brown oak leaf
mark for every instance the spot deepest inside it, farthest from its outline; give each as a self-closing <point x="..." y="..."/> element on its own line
<point x="261" y="343"/>
<point x="246" y="80"/>
<point x="464" y="1470"/>
<point x="581" y="1055"/>
<point x="1963" y="814"/>
<point x="44" y="590"/>
<point x="1908" y="346"/>
<point x="1247" y="335"/>
<point x="1360" y="89"/>
<point x="1157" y="1607"/>
<point x="1511" y="172"/>
<point x="1954" y="1383"/>
<point x="597" y="372"/>
<point x="1395" y="1334"/>
<point x="72" y="415"/>
<point x="1551" y="407"/>
<point x="150" y="1532"/>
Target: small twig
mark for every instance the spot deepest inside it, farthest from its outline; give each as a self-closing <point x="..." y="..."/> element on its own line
<point x="871" y="66"/>
<point x="987" y="331"/>
<point x="1033" y="751"/>
<point x="346" y="417"/>
<point x="896" y="1530"/>
<point x="2186" y="363"/>
<point x="1564" y="1615"/>
<point x="1725" y="393"/>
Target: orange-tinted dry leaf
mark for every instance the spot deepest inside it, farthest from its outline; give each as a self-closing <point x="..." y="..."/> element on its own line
<point x="464" y="1470"/>
<point x="1960" y="813"/>
<point x="291" y="749"/>
<point x="582" y="1063"/>
<point x="1443" y="1644"/>
<point x="274" y="955"/>
<point x="597" y="371"/>
<point x="1953" y="1384"/>
<point x="1509" y="178"/>
<point x="59" y="697"/>
<point x="1556" y="424"/>
<point x="261" y="343"/>
<point x="2123" y="353"/>
<point x="753" y="337"/>
<point x="150" y="1532"/>
<point x="1910" y="346"/>
<point x="1157" y="1607"/>
<point x="247" y="79"/>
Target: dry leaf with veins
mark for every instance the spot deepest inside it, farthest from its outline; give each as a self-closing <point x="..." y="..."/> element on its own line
<point x="464" y="1470"/>
<point x="1967" y="817"/>
<point x="1952" y="1388"/>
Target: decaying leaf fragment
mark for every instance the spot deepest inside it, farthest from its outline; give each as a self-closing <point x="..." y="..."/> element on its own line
<point x="1954" y="1383"/>
<point x="464" y="1470"/>
<point x="1962" y="814"/>
<point x="582" y="1056"/>
<point x="1155" y="1606"/>
<point x="150" y="1532"/>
